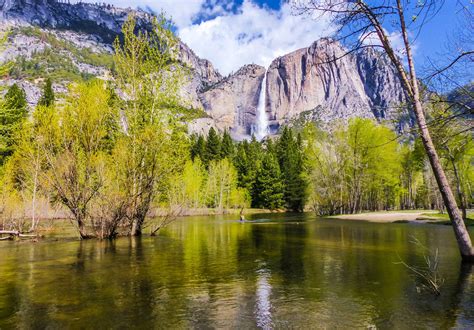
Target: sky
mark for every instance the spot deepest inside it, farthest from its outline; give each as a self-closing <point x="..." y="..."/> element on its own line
<point x="232" y="33"/>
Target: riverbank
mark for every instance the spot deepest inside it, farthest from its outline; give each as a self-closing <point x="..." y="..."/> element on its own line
<point x="413" y="216"/>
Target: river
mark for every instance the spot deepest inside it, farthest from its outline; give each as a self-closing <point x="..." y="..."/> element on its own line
<point x="278" y="271"/>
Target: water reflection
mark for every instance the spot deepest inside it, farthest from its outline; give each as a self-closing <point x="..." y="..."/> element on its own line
<point x="263" y="306"/>
<point x="212" y="273"/>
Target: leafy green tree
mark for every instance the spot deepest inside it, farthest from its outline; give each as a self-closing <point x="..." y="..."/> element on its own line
<point x="193" y="179"/>
<point x="268" y="190"/>
<point x="47" y="98"/>
<point x="71" y="144"/>
<point x="456" y="148"/>
<point x="147" y="71"/>
<point x="373" y="166"/>
<point x="13" y="111"/>
<point x="221" y="187"/>
<point x="326" y="163"/>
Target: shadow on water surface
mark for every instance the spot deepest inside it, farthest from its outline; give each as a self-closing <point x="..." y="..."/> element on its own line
<point x="208" y="273"/>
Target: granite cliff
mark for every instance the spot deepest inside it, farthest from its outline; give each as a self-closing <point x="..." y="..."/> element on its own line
<point x="307" y="84"/>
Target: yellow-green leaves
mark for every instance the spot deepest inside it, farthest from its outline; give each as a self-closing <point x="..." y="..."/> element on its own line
<point x="4" y="67"/>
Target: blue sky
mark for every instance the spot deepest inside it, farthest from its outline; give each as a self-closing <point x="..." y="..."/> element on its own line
<point x="232" y="33"/>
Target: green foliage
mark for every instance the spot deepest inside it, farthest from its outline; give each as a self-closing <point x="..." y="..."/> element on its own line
<point x="4" y="67"/>
<point x="456" y="149"/>
<point x="221" y="188"/>
<point x="15" y="99"/>
<point x="213" y="146"/>
<point x="268" y="190"/>
<point x="70" y="140"/>
<point x="198" y="148"/>
<point x="152" y="148"/>
<point x="13" y="111"/>
<point x="53" y="63"/>
<point x="354" y="168"/>
<point x="246" y="167"/>
<point x="47" y="98"/>
<point x="290" y="156"/>
<point x="227" y="146"/>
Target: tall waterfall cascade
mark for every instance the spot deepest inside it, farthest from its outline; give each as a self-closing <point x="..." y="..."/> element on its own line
<point x="261" y="129"/>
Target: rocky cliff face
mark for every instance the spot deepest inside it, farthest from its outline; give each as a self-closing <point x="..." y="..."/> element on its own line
<point x="307" y="83"/>
<point x="102" y="20"/>
<point x="320" y="83"/>
<point x="326" y="83"/>
<point x="233" y="101"/>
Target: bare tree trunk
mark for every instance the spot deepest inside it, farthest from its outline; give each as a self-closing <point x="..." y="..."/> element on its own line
<point x="33" y="202"/>
<point x="82" y="228"/>
<point x="459" y="191"/>
<point x="136" y="227"/>
<point x="461" y="233"/>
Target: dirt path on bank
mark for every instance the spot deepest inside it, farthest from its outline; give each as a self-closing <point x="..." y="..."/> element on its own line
<point x="388" y="217"/>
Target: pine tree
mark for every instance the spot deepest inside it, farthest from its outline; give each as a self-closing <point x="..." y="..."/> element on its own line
<point x="47" y="99"/>
<point x="213" y="147"/>
<point x="227" y="146"/>
<point x="15" y="99"/>
<point x="268" y="190"/>
<point x="290" y="157"/>
<point x="12" y="113"/>
<point x="200" y="148"/>
<point x="241" y="164"/>
<point x="254" y="154"/>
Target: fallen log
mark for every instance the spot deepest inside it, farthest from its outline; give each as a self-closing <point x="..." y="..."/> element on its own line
<point x="10" y="232"/>
<point x="13" y="233"/>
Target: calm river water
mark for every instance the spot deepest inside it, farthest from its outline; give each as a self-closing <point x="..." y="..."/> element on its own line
<point x="281" y="271"/>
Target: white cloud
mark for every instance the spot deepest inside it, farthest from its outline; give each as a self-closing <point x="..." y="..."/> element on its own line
<point x="231" y="39"/>
<point x="252" y="35"/>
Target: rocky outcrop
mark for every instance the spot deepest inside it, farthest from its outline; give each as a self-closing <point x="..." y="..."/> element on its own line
<point x="201" y="76"/>
<point x="101" y="20"/>
<point x="232" y="102"/>
<point x="332" y="84"/>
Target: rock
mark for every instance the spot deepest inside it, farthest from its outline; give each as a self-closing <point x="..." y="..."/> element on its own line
<point x="306" y="84"/>
<point x="232" y="102"/>
<point x="310" y="79"/>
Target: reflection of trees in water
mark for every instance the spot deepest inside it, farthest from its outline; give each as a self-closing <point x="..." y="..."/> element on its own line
<point x="455" y="315"/>
<point x="291" y="252"/>
<point x="231" y="275"/>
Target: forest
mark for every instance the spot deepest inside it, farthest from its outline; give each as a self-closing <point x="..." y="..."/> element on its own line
<point x="113" y="154"/>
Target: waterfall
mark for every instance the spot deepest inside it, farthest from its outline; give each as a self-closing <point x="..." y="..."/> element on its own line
<point x="262" y="120"/>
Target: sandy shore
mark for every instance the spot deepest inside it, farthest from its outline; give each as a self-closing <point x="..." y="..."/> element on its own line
<point x="388" y="217"/>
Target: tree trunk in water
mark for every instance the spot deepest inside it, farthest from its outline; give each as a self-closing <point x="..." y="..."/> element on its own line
<point x="136" y="227"/>
<point x="82" y="228"/>
<point x="137" y="223"/>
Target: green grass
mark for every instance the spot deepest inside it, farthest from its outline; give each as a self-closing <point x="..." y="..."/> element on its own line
<point x="443" y="218"/>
